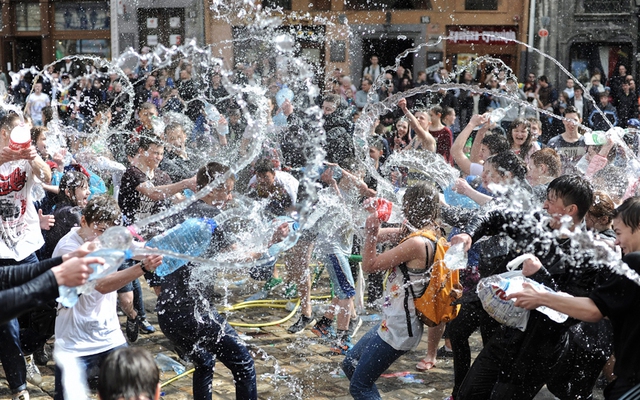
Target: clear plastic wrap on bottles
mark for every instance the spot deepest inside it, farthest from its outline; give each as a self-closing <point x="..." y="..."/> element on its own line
<point x="191" y="237"/>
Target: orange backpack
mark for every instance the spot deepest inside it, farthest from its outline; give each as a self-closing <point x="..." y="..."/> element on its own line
<point x="435" y="306"/>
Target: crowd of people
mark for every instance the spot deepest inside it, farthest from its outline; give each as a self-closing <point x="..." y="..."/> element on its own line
<point x="128" y="156"/>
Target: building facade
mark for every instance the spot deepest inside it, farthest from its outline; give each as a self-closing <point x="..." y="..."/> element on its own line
<point x="345" y="34"/>
<point x="587" y="36"/>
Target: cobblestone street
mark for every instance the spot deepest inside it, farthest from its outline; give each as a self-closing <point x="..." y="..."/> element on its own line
<point x="288" y="366"/>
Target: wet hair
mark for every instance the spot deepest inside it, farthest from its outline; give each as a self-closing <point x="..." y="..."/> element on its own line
<point x="333" y="98"/>
<point x="47" y="115"/>
<point x="102" y="108"/>
<point x="102" y="208"/>
<point x="128" y="373"/>
<point x="9" y="121"/>
<point x="602" y="206"/>
<point x="496" y="143"/>
<point x="526" y="146"/>
<point x="508" y="161"/>
<point x="173" y="126"/>
<point x="209" y="173"/>
<point x="629" y="213"/>
<point x="264" y="165"/>
<point x="437" y="110"/>
<point x="147" y="106"/>
<point x="550" y="158"/>
<point x="421" y="204"/>
<point x="71" y="180"/>
<point x="571" y="110"/>
<point x="535" y="121"/>
<point x="573" y="189"/>
<point x="36" y="131"/>
<point x="147" y="141"/>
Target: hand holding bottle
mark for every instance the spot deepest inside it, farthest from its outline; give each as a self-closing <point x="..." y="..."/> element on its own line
<point x="75" y="271"/>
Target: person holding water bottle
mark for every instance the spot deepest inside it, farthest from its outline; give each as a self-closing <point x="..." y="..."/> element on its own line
<point x="389" y="340"/>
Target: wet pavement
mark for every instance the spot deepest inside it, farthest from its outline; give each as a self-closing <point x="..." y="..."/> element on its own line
<point x="288" y="366"/>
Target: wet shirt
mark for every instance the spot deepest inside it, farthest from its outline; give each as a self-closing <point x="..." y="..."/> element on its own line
<point x="19" y="224"/>
<point x="570" y="153"/>
<point x="619" y="299"/>
<point x="134" y="205"/>
<point x="444" y="140"/>
<point x="393" y="328"/>
<point x="178" y="294"/>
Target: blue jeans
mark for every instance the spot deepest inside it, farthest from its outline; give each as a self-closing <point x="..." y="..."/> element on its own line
<point x="365" y="362"/>
<point x="15" y="368"/>
<point x="205" y="341"/>
<point x="90" y="364"/>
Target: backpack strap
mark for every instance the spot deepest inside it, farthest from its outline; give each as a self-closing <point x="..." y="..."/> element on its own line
<point x="409" y="287"/>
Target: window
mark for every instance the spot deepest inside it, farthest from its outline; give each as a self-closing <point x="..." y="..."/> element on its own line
<point x="284" y="4"/>
<point x="481" y="5"/>
<point x="27" y="17"/>
<point x="98" y="47"/>
<point x="89" y="15"/>
<point x="388" y="5"/>
<point x="605" y="6"/>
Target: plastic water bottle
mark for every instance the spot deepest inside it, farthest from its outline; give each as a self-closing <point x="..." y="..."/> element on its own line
<point x="279" y="247"/>
<point x="115" y="245"/>
<point x="497" y="114"/>
<point x="166" y="363"/>
<point x="213" y="115"/>
<point x="191" y="237"/>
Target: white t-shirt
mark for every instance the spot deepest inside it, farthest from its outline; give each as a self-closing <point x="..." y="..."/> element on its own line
<point x="91" y="326"/>
<point x="476" y="169"/>
<point x="38" y="102"/>
<point x="287" y="181"/>
<point x="20" y="233"/>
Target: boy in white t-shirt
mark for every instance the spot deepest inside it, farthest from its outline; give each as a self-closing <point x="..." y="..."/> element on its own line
<point x="91" y="330"/>
<point x="35" y="103"/>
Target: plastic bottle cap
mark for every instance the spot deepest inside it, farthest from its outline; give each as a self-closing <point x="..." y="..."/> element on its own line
<point x="20" y="138"/>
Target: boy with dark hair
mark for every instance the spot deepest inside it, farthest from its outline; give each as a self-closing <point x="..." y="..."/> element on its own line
<point x="515" y="364"/>
<point x="129" y="373"/>
<point x="209" y="337"/>
<point x="569" y="144"/>
<point x="618" y="299"/>
<point x="90" y="330"/>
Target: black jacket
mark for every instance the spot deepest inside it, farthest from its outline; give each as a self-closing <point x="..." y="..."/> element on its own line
<point x="23" y="287"/>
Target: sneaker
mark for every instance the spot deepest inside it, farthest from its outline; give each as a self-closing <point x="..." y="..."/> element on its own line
<point x="33" y="373"/>
<point x="145" y="326"/>
<point x="301" y="323"/>
<point x="291" y="291"/>
<point x="443" y="352"/>
<point x="272" y="283"/>
<point x="22" y="395"/>
<point x="342" y="346"/>
<point x="131" y="330"/>
<point x="42" y="356"/>
<point x="354" y="325"/>
<point x="324" y="331"/>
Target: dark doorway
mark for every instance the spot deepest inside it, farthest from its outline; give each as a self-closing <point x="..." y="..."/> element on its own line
<point x="27" y="53"/>
<point x="387" y="50"/>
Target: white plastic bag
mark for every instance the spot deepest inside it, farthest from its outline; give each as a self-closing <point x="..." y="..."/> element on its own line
<point x="493" y="292"/>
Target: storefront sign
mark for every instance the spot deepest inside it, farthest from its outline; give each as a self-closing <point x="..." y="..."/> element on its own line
<point x="482" y="34"/>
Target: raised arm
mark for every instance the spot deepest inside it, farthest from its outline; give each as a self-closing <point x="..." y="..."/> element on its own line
<point x="457" y="149"/>
<point x="163" y="192"/>
<point x="475" y="156"/>
<point x="428" y="141"/>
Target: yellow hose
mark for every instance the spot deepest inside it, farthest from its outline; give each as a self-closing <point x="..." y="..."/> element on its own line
<point x="267" y="303"/>
<point x="175" y="378"/>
